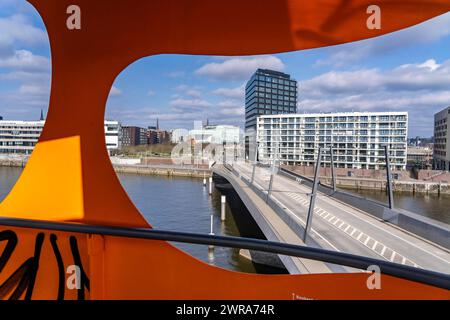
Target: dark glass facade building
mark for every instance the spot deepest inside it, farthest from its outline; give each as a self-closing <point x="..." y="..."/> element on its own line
<point x="269" y="92"/>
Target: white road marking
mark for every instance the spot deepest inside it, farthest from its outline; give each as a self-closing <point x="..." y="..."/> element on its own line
<point x="383" y="230"/>
<point x="321" y="211"/>
<point x="392" y="256"/>
<point x="374" y="245"/>
<point x="312" y="229"/>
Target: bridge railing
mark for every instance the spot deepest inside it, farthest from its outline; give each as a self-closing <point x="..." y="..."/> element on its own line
<point x="424" y="227"/>
<point x="428" y="277"/>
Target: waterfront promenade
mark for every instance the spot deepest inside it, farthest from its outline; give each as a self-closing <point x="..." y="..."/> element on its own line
<point x="164" y="170"/>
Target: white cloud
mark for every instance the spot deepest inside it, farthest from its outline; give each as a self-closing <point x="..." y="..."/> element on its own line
<point x="409" y="77"/>
<point x="29" y="76"/>
<point x="424" y="33"/>
<point x="17" y="29"/>
<point x="430" y="64"/>
<point x="239" y="68"/>
<point x="33" y="90"/>
<point x="18" y="104"/>
<point x="25" y="60"/>
<point x="227" y="104"/>
<point x="193" y="93"/>
<point x="115" y="91"/>
<point x="421" y="89"/>
<point x="232" y="111"/>
<point x="190" y="91"/>
<point x="182" y="104"/>
<point x="151" y="93"/>
<point x="26" y="74"/>
<point x="181" y="113"/>
<point x="237" y="93"/>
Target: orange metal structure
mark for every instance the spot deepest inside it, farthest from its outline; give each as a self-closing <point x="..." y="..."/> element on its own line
<point x="69" y="176"/>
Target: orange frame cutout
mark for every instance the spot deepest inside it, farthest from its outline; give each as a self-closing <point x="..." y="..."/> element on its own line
<point x="70" y="178"/>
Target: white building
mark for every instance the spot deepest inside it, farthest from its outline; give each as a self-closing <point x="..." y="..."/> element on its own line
<point x="216" y="134"/>
<point x="20" y="137"/>
<point x="441" y="149"/>
<point x="358" y="138"/>
<point x="179" y="135"/>
<point x="113" y="134"/>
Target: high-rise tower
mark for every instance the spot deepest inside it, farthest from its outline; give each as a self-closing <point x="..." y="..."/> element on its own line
<point x="267" y="92"/>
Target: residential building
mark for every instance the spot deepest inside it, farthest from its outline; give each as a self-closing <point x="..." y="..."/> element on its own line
<point x="152" y="136"/>
<point x="163" y="136"/>
<point x="113" y="134"/>
<point x="441" y="152"/>
<point x="157" y="136"/>
<point x="20" y="137"/>
<point x="357" y="138"/>
<point x="267" y="92"/>
<point x="133" y="136"/>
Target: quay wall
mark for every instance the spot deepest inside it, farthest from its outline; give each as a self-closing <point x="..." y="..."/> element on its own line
<point x="365" y="180"/>
<point x="160" y="169"/>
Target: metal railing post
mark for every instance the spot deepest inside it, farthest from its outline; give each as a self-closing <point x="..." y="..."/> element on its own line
<point x="313" y="196"/>
<point x="224" y="159"/>
<point x="254" y="164"/>
<point x="333" y="173"/>
<point x="269" y="191"/>
<point x="389" y="178"/>
<point x="275" y="157"/>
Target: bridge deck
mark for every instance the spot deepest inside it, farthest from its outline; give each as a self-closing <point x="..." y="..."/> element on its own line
<point x="338" y="226"/>
<point x="273" y="227"/>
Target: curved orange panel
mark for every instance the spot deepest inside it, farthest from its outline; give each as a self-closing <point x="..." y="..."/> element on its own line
<point x="83" y="187"/>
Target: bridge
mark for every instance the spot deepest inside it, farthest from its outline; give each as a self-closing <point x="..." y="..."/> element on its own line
<point x="279" y="203"/>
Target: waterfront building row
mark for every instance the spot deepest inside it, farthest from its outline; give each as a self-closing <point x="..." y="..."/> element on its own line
<point x="357" y="138"/>
<point x="20" y="137"/>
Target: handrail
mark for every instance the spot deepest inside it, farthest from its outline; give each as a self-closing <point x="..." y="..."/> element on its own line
<point x="332" y="192"/>
<point x="428" y="277"/>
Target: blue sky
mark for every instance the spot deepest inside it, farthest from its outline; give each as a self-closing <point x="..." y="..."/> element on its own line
<point x="405" y="71"/>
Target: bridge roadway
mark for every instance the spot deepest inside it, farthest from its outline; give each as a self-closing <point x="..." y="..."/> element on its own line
<point x="338" y="226"/>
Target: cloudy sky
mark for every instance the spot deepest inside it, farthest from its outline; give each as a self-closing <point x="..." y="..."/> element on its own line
<point x="405" y="71"/>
